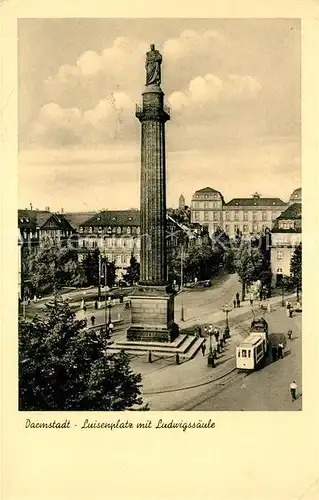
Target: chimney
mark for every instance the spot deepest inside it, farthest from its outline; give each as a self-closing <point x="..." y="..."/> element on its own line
<point x="47" y="209"/>
<point x="31" y="206"/>
<point x="62" y="210"/>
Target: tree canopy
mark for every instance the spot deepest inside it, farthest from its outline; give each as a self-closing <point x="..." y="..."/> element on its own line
<point x="296" y="268"/>
<point x="51" y="267"/>
<point x="132" y="275"/>
<point x="64" y="367"/>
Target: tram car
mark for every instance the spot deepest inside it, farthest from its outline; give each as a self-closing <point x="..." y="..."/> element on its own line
<point x="251" y="352"/>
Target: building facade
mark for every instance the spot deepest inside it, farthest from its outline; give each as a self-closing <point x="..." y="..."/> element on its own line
<point x="251" y="216"/>
<point x="285" y="236"/>
<point x="207" y="208"/>
<point x="38" y="226"/>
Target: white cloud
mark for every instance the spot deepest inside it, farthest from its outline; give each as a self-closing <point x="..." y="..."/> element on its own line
<point x="189" y="43"/>
<point x="209" y="88"/>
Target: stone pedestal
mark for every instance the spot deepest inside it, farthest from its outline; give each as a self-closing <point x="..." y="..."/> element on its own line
<point x="152" y="310"/>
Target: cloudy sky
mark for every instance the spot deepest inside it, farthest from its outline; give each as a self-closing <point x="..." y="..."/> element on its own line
<point x="234" y="91"/>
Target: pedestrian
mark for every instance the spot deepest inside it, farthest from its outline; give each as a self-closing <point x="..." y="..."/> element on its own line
<point x="35" y="299"/>
<point x="238" y="301"/>
<point x="85" y="322"/>
<point x="203" y="347"/>
<point x="234" y="303"/>
<point x="251" y="299"/>
<point x="293" y="390"/>
<point x="274" y="352"/>
<point x="111" y="326"/>
<point x="290" y="312"/>
<point x="237" y="296"/>
<point x="280" y="351"/>
<point x="84" y="309"/>
<point x="82" y="304"/>
<point x="95" y="305"/>
<point x="289" y="334"/>
<point x="92" y="320"/>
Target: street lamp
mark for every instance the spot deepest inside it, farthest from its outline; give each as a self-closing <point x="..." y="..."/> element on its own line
<point x="182" y="306"/>
<point x="109" y="306"/>
<point x="210" y="358"/>
<point x="226" y="308"/>
<point x="104" y="270"/>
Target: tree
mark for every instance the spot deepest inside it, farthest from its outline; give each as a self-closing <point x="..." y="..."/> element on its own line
<point x="51" y="267"/>
<point x="91" y="268"/>
<point x="133" y="271"/>
<point x="63" y="367"/>
<point x="296" y="269"/>
<point x="249" y="265"/>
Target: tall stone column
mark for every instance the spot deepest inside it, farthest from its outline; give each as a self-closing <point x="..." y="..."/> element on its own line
<point x="152" y="303"/>
<point x="153" y="187"/>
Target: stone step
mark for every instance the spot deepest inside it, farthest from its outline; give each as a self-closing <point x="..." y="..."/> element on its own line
<point x="176" y="344"/>
<point x="191" y="353"/>
<point x="183" y="348"/>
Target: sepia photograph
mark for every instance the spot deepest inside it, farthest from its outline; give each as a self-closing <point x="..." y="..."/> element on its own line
<point x="160" y="214"/>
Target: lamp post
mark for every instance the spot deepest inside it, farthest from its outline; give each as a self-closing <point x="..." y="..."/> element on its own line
<point x="182" y="270"/>
<point x="104" y="270"/>
<point x="226" y="308"/>
<point x="282" y="294"/>
<point x="210" y="358"/>
<point x="109" y="306"/>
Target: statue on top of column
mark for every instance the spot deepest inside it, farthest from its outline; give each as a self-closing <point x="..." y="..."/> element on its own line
<point x="153" y="66"/>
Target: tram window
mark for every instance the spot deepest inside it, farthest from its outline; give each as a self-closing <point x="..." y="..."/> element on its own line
<point x="244" y="353"/>
<point x="248" y="353"/>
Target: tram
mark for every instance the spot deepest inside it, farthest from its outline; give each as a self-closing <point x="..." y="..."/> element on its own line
<point x="251" y="352"/>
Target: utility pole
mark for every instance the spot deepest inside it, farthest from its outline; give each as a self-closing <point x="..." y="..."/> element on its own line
<point x="99" y="285"/>
<point x="104" y="267"/>
<point x="182" y="270"/>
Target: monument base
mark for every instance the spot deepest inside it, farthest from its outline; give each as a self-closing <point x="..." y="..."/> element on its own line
<point x="152" y="315"/>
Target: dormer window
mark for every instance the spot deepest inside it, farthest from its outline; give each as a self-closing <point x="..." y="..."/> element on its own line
<point x="21" y="220"/>
<point x="109" y="229"/>
<point x="130" y="218"/>
<point x="98" y="218"/>
<point x="113" y="218"/>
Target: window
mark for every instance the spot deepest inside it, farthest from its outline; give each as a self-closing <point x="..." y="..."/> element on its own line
<point x="118" y="230"/>
<point x="246" y="216"/>
<point x="264" y="216"/>
<point x="280" y="254"/>
<point x="138" y="230"/>
<point x="196" y="215"/>
<point x="227" y="228"/>
<point x="216" y="216"/>
<point x="206" y="216"/>
<point x="119" y="242"/>
<point x="236" y="216"/>
<point x="238" y="354"/>
<point x="128" y="230"/>
<point x="244" y="353"/>
<point x="90" y="229"/>
<point x="227" y="216"/>
<point x="206" y="204"/>
<point x="123" y="259"/>
<point x="206" y="195"/>
<point x="246" y="228"/>
<point x="236" y="227"/>
<point x="255" y="216"/>
<point x="196" y="204"/>
<point x="248" y="351"/>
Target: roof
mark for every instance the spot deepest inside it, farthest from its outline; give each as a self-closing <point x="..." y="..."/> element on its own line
<point x="259" y="202"/>
<point x="250" y="340"/>
<point x="207" y="190"/>
<point x="28" y="219"/>
<point x="114" y="218"/>
<point x="77" y="218"/>
<point x="292" y="212"/>
<point x="295" y="193"/>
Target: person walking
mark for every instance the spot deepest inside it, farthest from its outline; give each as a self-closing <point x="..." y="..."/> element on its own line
<point x="92" y="320"/>
<point x="289" y="334"/>
<point x="111" y="326"/>
<point x="234" y="303"/>
<point x="280" y="351"/>
<point x="251" y="299"/>
<point x="288" y="309"/>
<point x="238" y="301"/>
<point x="293" y="390"/>
<point x="84" y="309"/>
<point x="95" y="305"/>
<point x="203" y="348"/>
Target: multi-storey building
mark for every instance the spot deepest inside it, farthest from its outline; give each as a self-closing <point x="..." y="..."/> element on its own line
<point x="295" y="196"/>
<point x="117" y="235"/>
<point x="285" y="236"/>
<point x="37" y="226"/>
<point x="251" y="216"/>
<point x="207" y="208"/>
